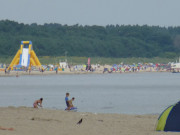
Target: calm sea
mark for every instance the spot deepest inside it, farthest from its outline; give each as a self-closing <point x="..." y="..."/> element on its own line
<point x="131" y="93"/>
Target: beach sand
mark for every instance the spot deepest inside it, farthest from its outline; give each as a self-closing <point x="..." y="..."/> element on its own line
<point x="30" y="121"/>
<point x="67" y="71"/>
<point x="14" y="73"/>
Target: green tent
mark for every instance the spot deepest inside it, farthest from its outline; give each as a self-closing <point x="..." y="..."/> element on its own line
<point x="169" y="120"/>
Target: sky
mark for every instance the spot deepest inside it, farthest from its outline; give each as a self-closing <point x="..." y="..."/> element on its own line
<point x="92" y="12"/>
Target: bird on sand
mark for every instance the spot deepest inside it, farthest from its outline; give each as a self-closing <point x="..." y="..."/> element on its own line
<point x="80" y="121"/>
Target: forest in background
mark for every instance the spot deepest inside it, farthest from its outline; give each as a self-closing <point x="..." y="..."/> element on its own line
<point x="74" y="60"/>
<point x="111" y="41"/>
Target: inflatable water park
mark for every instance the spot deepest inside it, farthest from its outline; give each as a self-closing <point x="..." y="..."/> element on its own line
<point x="25" y="57"/>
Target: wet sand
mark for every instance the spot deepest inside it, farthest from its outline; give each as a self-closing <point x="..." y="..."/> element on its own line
<point x="30" y="121"/>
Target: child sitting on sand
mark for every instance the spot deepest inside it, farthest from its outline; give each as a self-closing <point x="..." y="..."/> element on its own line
<point x="70" y="103"/>
<point x="38" y="103"/>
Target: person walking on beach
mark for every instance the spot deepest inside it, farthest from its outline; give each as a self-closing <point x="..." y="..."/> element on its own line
<point x="38" y="103"/>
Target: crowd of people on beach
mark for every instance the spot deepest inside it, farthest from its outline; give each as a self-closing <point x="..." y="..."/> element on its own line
<point x="97" y="68"/>
<point x="148" y="67"/>
<point x="117" y="67"/>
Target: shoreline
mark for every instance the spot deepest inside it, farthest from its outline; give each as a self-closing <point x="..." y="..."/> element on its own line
<point x="19" y="73"/>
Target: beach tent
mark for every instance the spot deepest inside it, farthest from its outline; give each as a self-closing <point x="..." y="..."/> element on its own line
<point x="169" y="120"/>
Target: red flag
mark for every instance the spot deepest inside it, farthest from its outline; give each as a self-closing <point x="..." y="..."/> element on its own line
<point x="89" y="61"/>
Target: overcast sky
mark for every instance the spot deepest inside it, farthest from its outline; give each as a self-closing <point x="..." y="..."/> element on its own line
<point x="92" y="12"/>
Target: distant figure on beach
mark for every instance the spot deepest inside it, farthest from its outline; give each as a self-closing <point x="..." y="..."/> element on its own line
<point x="67" y="100"/>
<point x="17" y="74"/>
<point x="57" y="70"/>
<point x="38" y="103"/>
<point x="29" y="71"/>
<point x="3" y="128"/>
<point x="5" y="70"/>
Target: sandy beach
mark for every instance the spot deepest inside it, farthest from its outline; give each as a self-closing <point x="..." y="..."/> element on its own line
<point x="67" y="71"/>
<point x="20" y="73"/>
<point x="30" y="121"/>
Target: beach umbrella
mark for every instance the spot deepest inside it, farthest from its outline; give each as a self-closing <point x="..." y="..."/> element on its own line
<point x="114" y="65"/>
<point x="169" y="120"/>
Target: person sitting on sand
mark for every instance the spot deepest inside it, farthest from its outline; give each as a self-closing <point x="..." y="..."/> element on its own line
<point x="70" y="103"/>
<point x="38" y="103"/>
<point x="3" y="128"/>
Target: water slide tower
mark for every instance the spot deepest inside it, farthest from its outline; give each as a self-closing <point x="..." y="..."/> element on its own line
<point x="25" y="57"/>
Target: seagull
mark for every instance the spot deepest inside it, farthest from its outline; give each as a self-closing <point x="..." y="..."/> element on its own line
<point x="80" y="121"/>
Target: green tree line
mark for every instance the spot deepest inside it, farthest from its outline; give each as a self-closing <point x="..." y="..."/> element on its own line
<point x="115" y="41"/>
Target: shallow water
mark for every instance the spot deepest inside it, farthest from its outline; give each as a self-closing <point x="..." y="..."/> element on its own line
<point x="131" y="93"/>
